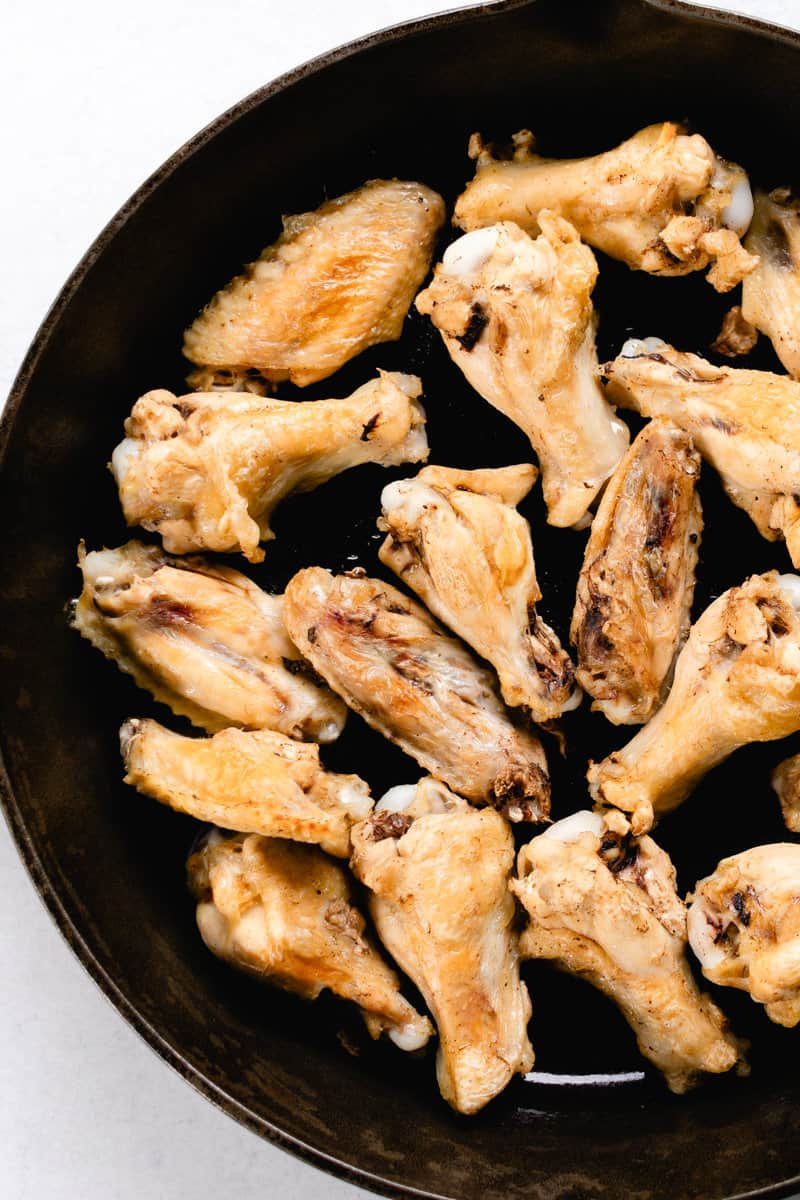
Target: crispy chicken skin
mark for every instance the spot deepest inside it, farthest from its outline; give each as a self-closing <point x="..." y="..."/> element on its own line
<point x="786" y="784"/>
<point x="737" y="336"/>
<point x="336" y="281"/>
<point x="737" y="680"/>
<point x="745" y="423"/>
<point x="284" y="913"/>
<point x="417" y="686"/>
<point x="662" y="201"/>
<point x="744" y="927"/>
<point x="438" y="874"/>
<point x="206" y="470"/>
<point x="632" y="611"/>
<point x="604" y="907"/>
<point x="202" y="639"/>
<point x="771" y="293"/>
<point x="456" y="539"/>
<point x="516" y="316"/>
<point x="254" y="782"/>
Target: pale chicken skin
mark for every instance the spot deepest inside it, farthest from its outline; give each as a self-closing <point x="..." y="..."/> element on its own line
<point x="202" y="639"/>
<point x="737" y="680"/>
<point x="456" y="539"/>
<point x="207" y="470"/>
<point x="393" y="664"/>
<point x="786" y="785"/>
<point x="635" y="590"/>
<point x="252" y="781"/>
<point x="662" y="201"/>
<point x="335" y="282"/>
<point x="516" y="316"/>
<point x="744" y="927"/>
<point x="437" y="871"/>
<point x="771" y="293"/>
<point x="605" y="908"/>
<point x="284" y="913"/>
<point x="746" y="424"/>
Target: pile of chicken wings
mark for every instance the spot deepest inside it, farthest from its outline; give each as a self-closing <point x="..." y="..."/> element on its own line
<point x="456" y="666"/>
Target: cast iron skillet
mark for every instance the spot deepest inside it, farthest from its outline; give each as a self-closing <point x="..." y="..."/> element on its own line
<point x="109" y="864"/>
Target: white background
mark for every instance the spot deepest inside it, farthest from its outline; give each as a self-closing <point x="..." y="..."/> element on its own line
<point x="94" y="96"/>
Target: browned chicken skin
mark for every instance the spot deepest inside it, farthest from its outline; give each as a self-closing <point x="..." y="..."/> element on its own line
<point x="284" y="913"/>
<point x="254" y="782"/>
<point x="516" y="316"/>
<point x="438" y="875"/>
<point x="632" y="611"/>
<point x="336" y="281"/>
<point x="456" y="538"/>
<point x="737" y="680"/>
<point x="744" y="927"/>
<point x="417" y="686"/>
<point x="786" y="784"/>
<point x="771" y="293"/>
<point x="207" y="470"/>
<point x="202" y="639"/>
<point x="605" y="908"/>
<point x="745" y="423"/>
<point x="662" y="201"/>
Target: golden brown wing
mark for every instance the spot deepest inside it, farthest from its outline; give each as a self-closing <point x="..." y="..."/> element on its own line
<point x="420" y="688"/>
<point x="203" y="640"/>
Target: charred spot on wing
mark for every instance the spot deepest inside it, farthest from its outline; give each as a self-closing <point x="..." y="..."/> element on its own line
<point x="369" y="427"/>
<point x="740" y="908"/>
<point x="311" y="634"/>
<point x="522" y="794"/>
<point x="389" y="825"/>
<point x="478" y="320"/>
<point x="726" y="427"/>
<point x="619" y="851"/>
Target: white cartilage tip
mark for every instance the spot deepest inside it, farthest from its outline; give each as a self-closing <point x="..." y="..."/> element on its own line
<point x="570" y="828"/>
<point x="397" y="799"/>
<point x="468" y="254"/>
<point x="739" y="213"/>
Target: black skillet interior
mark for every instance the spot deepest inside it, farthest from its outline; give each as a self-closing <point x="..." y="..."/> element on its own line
<point x="110" y="864"/>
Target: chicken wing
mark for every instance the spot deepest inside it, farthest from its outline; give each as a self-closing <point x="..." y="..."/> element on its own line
<point x="285" y="914"/>
<point x="744" y="927"/>
<point x="418" y="687"/>
<point x="786" y="784"/>
<point x="336" y="281"/>
<point x="438" y="873"/>
<point x="604" y="907"/>
<point x="771" y="293"/>
<point x="203" y="640"/>
<point x="745" y="423"/>
<point x="516" y="316"/>
<point x="207" y="470"/>
<point x="456" y="538"/>
<point x="662" y="201"/>
<point x="632" y="611"/>
<point x="257" y="782"/>
<point x="737" y="680"/>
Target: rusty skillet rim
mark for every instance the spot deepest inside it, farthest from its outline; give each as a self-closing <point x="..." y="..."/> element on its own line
<point x="47" y="890"/>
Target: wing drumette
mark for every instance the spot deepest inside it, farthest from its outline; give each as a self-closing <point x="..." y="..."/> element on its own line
<point x="337" y="281"/>
<point x="771" y="293"/>
<point x="516" y="316"/>
<point x="438" y="875"/>
<point x="744" y="927"/>
<point x="605" y="908"/>
<point x="256" y="782"/>
<point x="737" y="680"/>
<point x="637" y="582"/>
<point x="420" y="688"/>
<point x="284" y="913"/>
<point x="207" y="470"/>
<point x="456" y="538"/>
<point x="662" y="201"/>
<point x="203" y="640"/>
<point x="745" y="423"/>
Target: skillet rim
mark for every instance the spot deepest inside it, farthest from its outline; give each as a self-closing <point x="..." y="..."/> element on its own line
<point x="48" y="891"/>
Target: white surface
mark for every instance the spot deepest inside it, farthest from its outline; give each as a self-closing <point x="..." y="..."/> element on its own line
<point x="95" y="96"/>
